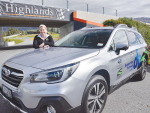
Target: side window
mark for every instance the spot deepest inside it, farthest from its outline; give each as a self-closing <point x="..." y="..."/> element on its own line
<point x="140" y="38"/>
<point x="133" y="40"/>
<point x="120" y="36"/>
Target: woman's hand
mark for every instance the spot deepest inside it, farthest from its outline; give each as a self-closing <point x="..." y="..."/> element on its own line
<point x="41" y="45"/>
<point x="46" y="47"/>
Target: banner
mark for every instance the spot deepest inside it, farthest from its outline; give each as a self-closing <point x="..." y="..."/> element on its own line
<point x="24" y="10"/>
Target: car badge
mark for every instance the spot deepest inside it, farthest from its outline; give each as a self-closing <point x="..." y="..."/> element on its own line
<point x="6" y="71"/>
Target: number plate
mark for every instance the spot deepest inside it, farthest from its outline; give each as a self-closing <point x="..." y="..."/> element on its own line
<point x="7" y="92"/>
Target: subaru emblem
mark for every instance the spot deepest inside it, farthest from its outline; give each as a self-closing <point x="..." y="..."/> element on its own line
<point x="6" y="71"/>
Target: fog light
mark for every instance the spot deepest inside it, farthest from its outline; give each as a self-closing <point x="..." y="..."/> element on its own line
<point x="51" y="109"/>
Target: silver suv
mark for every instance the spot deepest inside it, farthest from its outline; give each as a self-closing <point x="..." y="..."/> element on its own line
<point x="77" y="74"/>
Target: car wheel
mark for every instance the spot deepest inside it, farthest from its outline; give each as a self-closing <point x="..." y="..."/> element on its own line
<point x="142" y="72"/>
<point x="95" y="95"/>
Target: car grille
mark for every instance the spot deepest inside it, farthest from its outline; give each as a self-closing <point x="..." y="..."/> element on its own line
<point x="13" y="77"/>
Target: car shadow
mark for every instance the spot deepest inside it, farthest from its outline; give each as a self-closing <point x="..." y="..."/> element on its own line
<point x="130" y="80"/>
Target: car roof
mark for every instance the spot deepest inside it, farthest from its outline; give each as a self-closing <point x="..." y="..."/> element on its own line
<point x="96" y="28"/>
<point x="118" y="26"/>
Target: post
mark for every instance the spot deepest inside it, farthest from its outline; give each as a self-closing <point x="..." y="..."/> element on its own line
<point x="11" y="1"/>
<point x="87" y="7"/>
<point x="42" y="3"/>
<point x="103" y="11"/>
<point x="116" y="12"/>
<point x="67" y="5"/>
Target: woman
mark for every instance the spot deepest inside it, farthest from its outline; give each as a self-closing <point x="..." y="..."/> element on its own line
<point x="43" y="39"/>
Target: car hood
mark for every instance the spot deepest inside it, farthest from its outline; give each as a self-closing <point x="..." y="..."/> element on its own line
<point x="53" y="57"/>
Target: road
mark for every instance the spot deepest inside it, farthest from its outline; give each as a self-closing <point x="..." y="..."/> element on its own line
<point x="132" y="97"/>
<point x="26" y="41"/>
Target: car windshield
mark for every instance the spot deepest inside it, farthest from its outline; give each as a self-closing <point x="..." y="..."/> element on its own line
<point x="85" y="39"/>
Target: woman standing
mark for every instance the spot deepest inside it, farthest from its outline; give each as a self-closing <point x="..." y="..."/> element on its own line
<point x="43" y="39"/>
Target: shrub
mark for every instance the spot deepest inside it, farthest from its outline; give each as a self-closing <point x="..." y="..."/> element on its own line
<point x="142" y="28"/>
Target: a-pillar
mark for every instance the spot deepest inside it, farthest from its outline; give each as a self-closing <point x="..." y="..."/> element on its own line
<point x="1" y="37"/>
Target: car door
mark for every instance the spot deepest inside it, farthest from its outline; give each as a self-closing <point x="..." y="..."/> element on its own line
<point x="136" y="49"/>
<point x="122" y="60"/>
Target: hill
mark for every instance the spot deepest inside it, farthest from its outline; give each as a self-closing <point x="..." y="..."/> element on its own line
<point x="143" y="19"/>
<point x="20" y="28"/>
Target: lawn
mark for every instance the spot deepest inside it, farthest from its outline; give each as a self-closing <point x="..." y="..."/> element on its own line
<point x="55" y="36"/>
<point x="17" y="41"/>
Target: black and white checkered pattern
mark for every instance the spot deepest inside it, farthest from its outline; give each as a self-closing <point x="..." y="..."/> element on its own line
<point x="60" y="14"/>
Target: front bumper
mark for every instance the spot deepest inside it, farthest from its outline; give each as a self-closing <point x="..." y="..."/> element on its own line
<point x="59" y="103"/>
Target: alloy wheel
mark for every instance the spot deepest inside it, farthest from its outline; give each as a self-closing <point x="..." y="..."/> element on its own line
<point x="96" y="98"/>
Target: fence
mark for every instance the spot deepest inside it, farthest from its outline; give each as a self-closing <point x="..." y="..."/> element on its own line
<point x="72" y="5"/>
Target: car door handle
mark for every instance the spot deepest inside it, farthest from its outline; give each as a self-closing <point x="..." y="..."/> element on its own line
<point x="131" y="53"/>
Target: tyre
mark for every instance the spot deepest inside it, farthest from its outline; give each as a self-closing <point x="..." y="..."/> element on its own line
<point x="142" y="73"/>
<point x="95" y="95"/>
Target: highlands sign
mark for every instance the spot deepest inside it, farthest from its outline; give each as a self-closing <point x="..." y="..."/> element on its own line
<point x="24" y="10"/>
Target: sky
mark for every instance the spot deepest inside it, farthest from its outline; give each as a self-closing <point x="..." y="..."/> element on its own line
<point x="124" y="8"/>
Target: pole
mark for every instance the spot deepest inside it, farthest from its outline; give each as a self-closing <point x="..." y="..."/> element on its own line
<point x="42" y="3"/>
<point x="67" y="5"/>
<point x="11" y="1"/>
<point x="87" y="7"/>
<point x="116" y="12"/>
<point x="103" y="11"/>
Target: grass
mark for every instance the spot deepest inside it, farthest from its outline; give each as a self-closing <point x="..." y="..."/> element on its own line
<point x="17" y="41"/>
<point x="55" y="36"/>
<point x="32" y="35"/>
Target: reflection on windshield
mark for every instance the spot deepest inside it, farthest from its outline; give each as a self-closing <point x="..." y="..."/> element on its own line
<point x="85" y="39"/>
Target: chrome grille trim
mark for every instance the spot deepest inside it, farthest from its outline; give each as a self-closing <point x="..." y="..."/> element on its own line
<point x="14" y="78"/>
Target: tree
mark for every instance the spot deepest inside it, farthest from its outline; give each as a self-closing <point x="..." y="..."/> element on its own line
<point x="17" y="31"/>
<point x="4" y="34"/>
<point x="9" y="33"/>
<point x="23" y="32"/>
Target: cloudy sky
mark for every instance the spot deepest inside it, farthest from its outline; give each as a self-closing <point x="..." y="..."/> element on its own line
<point x="125" y="8"/>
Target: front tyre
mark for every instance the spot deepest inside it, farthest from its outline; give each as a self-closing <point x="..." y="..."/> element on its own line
<point x="95" y="95"/>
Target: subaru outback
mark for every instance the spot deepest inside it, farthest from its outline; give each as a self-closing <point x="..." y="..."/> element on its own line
<point x="77" y="74"/>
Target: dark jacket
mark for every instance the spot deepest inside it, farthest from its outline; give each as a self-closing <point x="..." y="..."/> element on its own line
<point x="37" y="41"/>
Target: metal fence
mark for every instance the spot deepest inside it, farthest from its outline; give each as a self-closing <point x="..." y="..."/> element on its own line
<point x="71" y="5"/>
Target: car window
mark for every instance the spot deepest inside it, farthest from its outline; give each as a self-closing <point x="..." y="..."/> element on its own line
<point x="140" y="38"/>
<point x="86" y="39"/>
<point x="120" y="36"/>
<point x="133" y="39"/>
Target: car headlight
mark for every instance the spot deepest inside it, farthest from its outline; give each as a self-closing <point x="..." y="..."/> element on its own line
<point x="55" y="75"/>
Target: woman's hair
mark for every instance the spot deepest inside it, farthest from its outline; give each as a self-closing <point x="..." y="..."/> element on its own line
<point x="42" y="25"/>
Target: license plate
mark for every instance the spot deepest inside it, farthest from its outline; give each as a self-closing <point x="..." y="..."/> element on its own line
<point x="7" y="92"/>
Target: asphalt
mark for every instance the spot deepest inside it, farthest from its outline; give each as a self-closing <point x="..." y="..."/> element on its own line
<point x="132" y="97"/>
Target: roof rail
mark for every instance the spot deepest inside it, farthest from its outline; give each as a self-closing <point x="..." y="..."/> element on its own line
<point x="134" y="28"/>
<point x="87" y="27"/>
<point x="121" y="26"/>
<point x="125" y="26"/>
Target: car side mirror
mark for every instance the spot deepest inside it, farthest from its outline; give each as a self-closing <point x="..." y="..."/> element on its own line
<point x="121" y="46"/>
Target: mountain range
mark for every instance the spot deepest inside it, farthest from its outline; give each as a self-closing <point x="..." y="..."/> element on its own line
<point x="143" y="19"/>
<point x="21" y="28"/>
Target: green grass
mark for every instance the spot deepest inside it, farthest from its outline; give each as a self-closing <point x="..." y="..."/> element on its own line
<point x="55" y="36"/>
<point x="17" y="41"/>
<point x="32" y="35"/>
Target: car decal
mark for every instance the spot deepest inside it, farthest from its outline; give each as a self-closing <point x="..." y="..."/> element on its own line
<point x="119" y="73"/>
<point x="134" y="64"/>
<point x="137" y="59"/>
